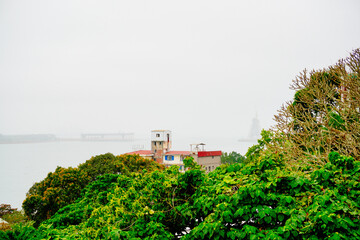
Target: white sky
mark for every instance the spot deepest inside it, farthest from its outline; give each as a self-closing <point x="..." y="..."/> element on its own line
<point x="194" y="67"/>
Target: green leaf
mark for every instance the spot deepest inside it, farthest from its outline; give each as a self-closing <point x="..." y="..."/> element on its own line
<point x="239" y="212"/>
<point x="288" y="199"/>
<point x="228" y="179"/>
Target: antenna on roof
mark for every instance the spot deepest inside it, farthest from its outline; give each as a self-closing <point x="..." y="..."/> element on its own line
<point x="197" y="147"/>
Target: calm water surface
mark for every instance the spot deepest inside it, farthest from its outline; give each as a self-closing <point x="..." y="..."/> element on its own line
<point x="21" y="165"/>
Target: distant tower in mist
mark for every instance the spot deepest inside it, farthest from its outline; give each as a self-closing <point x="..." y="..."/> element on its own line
<point x="255" y="129"/>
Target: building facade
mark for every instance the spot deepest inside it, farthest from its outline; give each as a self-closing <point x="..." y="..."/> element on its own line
<point x="161" y="143"/>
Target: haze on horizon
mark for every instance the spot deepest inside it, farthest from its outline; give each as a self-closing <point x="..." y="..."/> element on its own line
<point x="198" y="68"/>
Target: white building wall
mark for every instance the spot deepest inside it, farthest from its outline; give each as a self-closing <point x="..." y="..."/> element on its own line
<point x="176" y="161"/>
<point x="160" y="135"/>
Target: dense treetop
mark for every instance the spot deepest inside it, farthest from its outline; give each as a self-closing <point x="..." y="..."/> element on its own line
<point x="65" y="185"/>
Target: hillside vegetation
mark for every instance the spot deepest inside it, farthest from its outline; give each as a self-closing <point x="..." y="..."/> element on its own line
<point x="301" y="181"/>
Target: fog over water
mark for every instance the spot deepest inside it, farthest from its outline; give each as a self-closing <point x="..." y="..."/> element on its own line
<point x="202" y="69"/>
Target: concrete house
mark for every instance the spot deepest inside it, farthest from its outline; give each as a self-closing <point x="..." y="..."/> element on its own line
<point x="161" y="143"/>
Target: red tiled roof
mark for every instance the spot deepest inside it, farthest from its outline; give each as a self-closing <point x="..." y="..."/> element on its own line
<point x="141" y="152"/>
<point x="178" y="153"/>
<point x="209" y="153"/>
<point x="200" y="154"/>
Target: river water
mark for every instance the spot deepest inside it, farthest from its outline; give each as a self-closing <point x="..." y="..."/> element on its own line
<point x="21" y="165"/>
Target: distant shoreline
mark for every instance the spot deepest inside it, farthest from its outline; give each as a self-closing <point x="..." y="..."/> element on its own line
<point x="44" y="138"/>
<point x="66" y="140"/>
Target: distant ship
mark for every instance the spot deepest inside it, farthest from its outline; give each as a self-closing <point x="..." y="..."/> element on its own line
<point x="255" y="131"/>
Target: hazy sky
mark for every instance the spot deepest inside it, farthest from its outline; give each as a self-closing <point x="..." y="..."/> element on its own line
<point x="194" y="67"/>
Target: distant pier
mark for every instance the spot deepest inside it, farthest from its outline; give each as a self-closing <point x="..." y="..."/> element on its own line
<point x="107" y="137"/>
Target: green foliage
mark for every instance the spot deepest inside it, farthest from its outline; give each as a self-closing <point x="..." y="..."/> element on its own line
<point x="55" y="191"/>
<point x="265" y="200"/>
<point x="323" y="116"/>
<point x="6" y="209"/>
<point x="93" y="195"/>
<point x="124" y="164"/>
<point x="253" y="152"/>
<point x="15" y="217"/>
<point x="233" y="157"/>
<point x="139" y="205"/>
<point x="99" y="165"/>
<point x="65" y="185"/>
<point x="189" y="163"/>
<point x="260" y="200"/>
<point x="21" y="232"/>
<point x="336" y="121"/>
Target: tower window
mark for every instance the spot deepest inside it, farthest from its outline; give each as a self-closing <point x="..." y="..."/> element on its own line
<point x="158" y="135"/>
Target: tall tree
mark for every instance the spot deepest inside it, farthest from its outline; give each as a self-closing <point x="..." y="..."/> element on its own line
<point x="324" y="115"/>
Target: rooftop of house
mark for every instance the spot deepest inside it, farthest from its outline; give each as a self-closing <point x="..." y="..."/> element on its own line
<point x="148" y="152"/>
<point x="178" y="153"/>
<point x="208" y="153"/>
<point x="141" y="152"/>
<point x="199" y="154"/>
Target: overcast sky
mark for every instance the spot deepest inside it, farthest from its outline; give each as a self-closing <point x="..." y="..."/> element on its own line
<point x="194" y="67"/>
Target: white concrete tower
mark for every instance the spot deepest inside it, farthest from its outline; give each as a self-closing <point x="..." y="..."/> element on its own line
<point x="160" y="143"/>
<point x="161" y="140"/>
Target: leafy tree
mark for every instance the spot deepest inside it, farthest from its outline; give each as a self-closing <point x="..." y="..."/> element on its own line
<point x="15" y="217"/>
<point x="230" y="158"/>
<point x="324" y="115"/>
<point x="128" y="164"/>
<point x="260" y="200"/>
<point x="93" y="195"/>
<point x="99" y="165"/>
<point x="55" y="191"/>
<point x="136" y="205"/>
<point x="265" y="200"/>
<point x="6" y="209"/>
<point x="21" y="232"/>
<point x="64" y="186"/>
